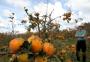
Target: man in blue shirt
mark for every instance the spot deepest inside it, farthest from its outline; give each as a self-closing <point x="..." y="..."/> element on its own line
<point x="81" y="43"/>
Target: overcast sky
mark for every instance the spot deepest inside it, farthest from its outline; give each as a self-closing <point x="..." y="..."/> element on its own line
<point x="79" y="8"/>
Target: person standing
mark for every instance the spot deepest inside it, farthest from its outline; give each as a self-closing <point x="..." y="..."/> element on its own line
<point x="81" y="43"/>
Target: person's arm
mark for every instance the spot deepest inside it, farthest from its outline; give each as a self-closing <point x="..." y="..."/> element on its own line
<point x="83" y="33"/>
<point x="77" y="34"/>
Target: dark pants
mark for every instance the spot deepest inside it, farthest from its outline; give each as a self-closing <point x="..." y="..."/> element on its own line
<point x="81" y="45"/>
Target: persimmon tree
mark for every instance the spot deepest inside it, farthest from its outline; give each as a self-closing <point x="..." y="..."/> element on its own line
<point x="45" y="23"/>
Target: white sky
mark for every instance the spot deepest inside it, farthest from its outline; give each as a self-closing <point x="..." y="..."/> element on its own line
<point x="80" y="8"/>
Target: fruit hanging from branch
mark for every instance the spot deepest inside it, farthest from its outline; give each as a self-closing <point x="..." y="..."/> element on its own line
<point x="23" y="57"/>
<point x="36" y="14"/>
<point x="41" y="59"/>
<point x="36" y="43"/>
<point x="48" y="48"/>
<point x="23" y="21"/>
<point x="15" y="44"/>
<point x="67" y="16"/>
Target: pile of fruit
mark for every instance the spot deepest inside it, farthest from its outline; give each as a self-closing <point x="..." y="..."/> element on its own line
<point x="34" y="50"/>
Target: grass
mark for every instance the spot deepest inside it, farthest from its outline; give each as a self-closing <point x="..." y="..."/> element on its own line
<point x="59" y="45"/>
<point x="4" y="58"/>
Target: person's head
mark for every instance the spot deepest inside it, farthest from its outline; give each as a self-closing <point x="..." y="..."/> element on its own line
<point x="81" y="27"/>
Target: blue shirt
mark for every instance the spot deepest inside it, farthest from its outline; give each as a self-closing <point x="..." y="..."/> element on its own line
<point x="80" y="34"/>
